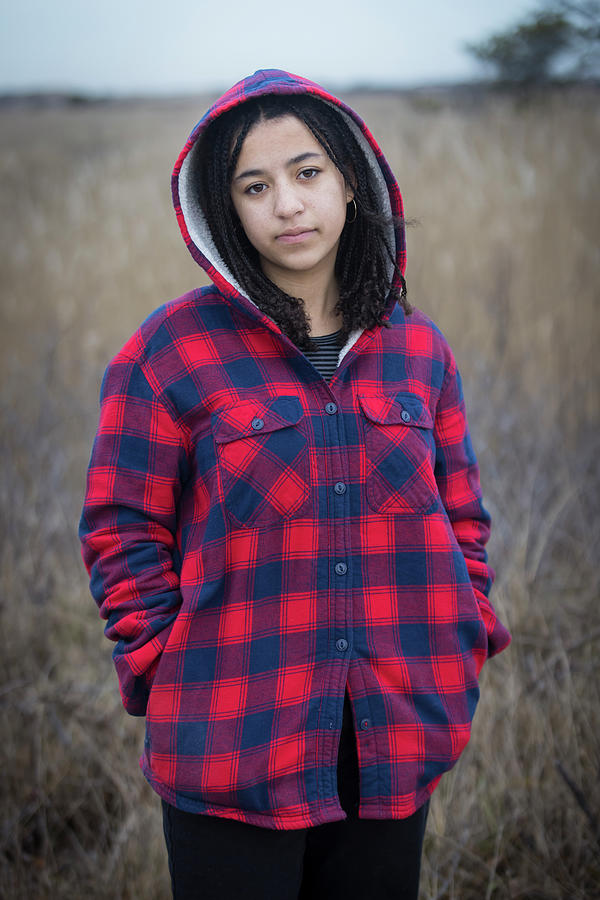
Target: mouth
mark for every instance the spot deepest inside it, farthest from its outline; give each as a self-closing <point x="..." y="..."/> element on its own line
<point x="295" y="235"/>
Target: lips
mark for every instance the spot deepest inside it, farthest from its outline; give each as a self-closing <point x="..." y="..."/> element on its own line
<point x="295" y="235"/>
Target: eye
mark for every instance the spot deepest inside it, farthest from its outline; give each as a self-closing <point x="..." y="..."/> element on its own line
<point x="307" y="174"/>
<point x="256" y="188"/>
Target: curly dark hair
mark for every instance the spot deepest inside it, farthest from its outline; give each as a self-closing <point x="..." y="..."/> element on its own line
<point x="364" y="257"/>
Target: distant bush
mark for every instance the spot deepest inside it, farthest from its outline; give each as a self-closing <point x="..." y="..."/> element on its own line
<point x="531" y="51"/>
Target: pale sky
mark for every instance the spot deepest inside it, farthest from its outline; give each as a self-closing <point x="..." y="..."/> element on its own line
<point x="154" y="47"/>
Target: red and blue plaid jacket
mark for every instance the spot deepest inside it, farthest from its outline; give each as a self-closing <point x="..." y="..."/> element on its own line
<point x="259" y="540"/>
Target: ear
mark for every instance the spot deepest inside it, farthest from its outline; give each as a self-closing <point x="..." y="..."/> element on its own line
<point x="350" y="182"/>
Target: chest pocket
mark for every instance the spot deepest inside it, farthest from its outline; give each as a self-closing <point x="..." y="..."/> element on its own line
<point x="400" y="454"/>
<point x="263" y="460"/>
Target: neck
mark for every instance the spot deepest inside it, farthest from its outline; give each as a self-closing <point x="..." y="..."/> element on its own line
<point x="320" y="308"/>
<point x="319" y="291"/>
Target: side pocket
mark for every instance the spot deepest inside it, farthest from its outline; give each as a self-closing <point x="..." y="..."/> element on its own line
<point x="400" y="451"/>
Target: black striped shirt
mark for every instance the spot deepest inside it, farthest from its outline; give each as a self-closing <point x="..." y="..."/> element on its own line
<point x="324" y="353"/>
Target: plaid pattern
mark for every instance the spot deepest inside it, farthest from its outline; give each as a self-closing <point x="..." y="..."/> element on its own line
<point x="257" y="539"/>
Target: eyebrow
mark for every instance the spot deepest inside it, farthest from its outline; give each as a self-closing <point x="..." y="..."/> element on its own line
<point x="252" y="173"/>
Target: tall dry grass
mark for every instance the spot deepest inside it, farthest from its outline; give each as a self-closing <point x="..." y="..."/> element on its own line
<point x="506" y="260"/>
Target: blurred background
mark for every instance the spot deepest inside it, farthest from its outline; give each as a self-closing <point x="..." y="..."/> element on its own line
<point x="489" y="115"/>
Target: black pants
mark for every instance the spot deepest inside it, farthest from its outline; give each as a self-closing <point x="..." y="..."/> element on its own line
<point x="211" y="858"/>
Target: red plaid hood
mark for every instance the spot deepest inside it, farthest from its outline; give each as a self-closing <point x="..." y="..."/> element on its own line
<point x="190" y="215"/>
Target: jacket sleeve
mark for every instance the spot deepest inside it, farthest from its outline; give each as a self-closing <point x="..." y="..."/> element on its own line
<point x="457" y="476"/>
<point x="128" y="525"/>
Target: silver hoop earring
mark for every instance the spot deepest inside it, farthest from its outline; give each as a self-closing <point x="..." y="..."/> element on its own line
<point x="353" y="219"/>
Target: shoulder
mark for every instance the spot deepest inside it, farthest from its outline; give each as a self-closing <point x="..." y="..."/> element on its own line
<point x="157" y="356"/>
<point x="416" y="333"/>
<point x="173" y="322"/>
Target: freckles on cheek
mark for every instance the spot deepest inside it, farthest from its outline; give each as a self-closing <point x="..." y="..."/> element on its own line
<point x="246" y="227"/>
<point x="238" y="217"/>
<point x="252" y="225"/>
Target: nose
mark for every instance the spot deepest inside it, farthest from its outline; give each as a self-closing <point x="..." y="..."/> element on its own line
<point x="286" y="200"/>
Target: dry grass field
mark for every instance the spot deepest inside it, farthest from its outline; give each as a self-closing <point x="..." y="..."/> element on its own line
<point x="505" y="258"/>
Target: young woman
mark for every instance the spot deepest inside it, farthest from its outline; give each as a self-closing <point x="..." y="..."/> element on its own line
<point x="283" y="521"/>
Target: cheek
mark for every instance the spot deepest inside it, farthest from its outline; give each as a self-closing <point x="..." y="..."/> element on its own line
<point x="250" y="222"/>
<point x="338" y="211"/>
<point x="341" y="202"/>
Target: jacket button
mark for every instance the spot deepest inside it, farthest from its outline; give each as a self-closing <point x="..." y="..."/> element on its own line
<point x="340" y="488"/>
<point x="364" y="724"/>
<point x="342" y="644"/>
<point x="331" y="409"/>
<point x="341" y="568"/>
<point x="405" y="416"/>
<point x="257" y="424"/>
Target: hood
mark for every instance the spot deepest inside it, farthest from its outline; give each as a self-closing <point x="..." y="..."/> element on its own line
<point x="190" y="215"/>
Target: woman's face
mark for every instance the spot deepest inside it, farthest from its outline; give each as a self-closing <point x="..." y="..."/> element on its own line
<point x="291" y="200"/>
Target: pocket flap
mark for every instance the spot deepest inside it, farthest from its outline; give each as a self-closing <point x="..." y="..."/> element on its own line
<point x="252" y="417"/>
<point x="402" y="408"/>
